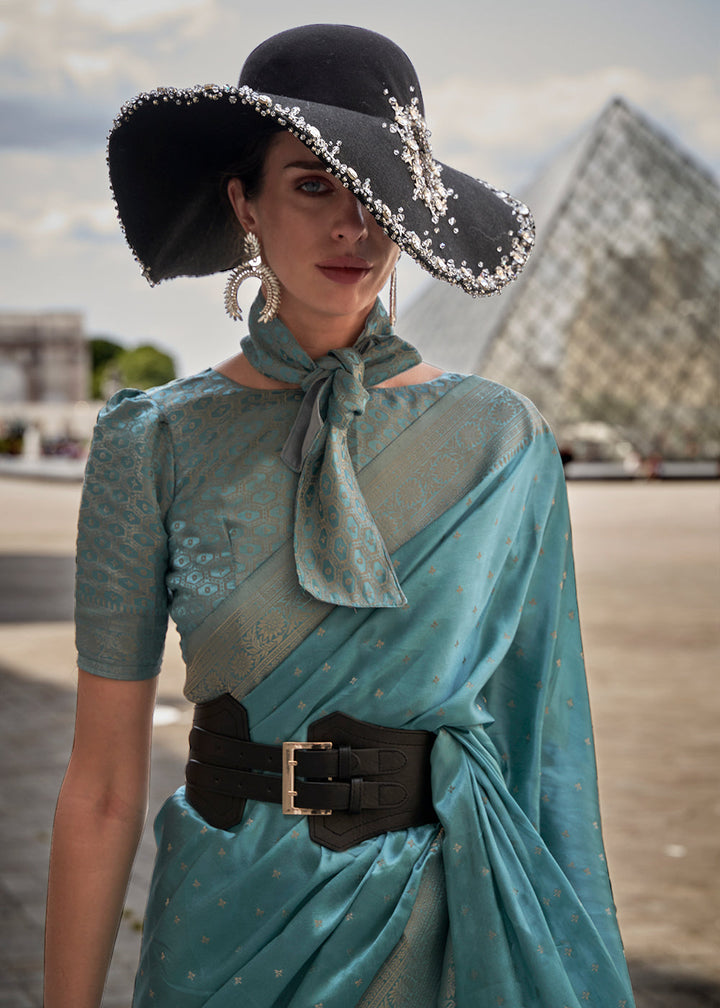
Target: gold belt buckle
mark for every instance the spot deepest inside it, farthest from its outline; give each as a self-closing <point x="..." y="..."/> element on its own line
<point x="288" y="778"/>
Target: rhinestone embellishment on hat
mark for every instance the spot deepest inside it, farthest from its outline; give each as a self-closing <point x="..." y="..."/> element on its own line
<point x="417" y="155"/>
<point x="478" y="282"/>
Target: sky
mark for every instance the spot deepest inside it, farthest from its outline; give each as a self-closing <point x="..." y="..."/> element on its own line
<point x="505" y="86"/>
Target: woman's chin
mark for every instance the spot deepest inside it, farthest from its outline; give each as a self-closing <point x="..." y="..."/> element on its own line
<point x="335" y="300"/>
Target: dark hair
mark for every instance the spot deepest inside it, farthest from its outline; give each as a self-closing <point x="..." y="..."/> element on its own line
<point x="250" y="166"/>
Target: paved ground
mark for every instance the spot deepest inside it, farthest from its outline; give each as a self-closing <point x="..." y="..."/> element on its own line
<point x="649" y="575"/>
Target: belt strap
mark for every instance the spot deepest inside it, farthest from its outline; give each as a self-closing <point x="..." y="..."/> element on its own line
<point x="372" y="780"/>
<point x="333" y="795"/>
<point x="342" y="762"/>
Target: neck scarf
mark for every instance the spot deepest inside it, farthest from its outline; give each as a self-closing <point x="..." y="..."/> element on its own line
<point x="340" y="555"/>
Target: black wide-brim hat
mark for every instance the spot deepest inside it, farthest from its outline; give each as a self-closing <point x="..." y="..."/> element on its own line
<point x="353" y="98"/>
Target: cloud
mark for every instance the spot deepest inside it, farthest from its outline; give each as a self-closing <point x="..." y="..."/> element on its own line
<point x="84" y="224"/>
<point x="70" y="49"/>
<point x="66" y="66"/>
<point x="51" y="202"/>
<point x="32" y="122"/>
<point x="486" y="126"/>
<point x="125" y="13"/>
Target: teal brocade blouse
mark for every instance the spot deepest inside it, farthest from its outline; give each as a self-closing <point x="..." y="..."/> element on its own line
<point x="185" y="496"/>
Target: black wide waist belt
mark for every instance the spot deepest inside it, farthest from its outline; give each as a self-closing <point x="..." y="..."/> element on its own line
<point x="353" y="779"/>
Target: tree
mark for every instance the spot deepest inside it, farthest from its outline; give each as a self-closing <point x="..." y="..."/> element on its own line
<point x="102" y="351"/>
<point x="141" y="368"/>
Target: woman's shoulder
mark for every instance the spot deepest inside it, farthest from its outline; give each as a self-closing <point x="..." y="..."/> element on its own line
<point x="421" y="374"/>
<point x="159" y="403"/>
<point x="500" y="425"/>
<point x="472" y="403"/>
<point x="499" y="403"/>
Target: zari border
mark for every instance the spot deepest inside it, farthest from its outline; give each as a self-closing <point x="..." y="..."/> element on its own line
<point x="475" y="428"/>
<point x="412" y="973"/>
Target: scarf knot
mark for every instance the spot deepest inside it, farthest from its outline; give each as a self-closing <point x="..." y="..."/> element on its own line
<point x="342" y="396"/>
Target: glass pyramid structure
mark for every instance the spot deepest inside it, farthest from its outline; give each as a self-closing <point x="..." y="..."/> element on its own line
<point x="616" y="318"/>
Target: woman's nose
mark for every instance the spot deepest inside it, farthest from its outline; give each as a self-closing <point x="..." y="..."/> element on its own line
<point x="351" y="221"/>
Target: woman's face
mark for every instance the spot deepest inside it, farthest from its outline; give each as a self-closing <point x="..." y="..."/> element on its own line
<point x="329" y="254"/>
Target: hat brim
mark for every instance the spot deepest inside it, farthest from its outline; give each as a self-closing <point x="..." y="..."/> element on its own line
<point x="168" y="151"/>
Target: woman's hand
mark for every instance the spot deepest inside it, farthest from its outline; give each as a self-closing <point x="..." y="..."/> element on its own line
<point x="99" y="818"/>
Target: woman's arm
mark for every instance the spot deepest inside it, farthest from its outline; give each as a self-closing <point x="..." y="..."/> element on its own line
<point x="98" y="822"/>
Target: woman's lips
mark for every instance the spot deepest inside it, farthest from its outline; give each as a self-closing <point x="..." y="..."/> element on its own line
<point x="345" y="269"/>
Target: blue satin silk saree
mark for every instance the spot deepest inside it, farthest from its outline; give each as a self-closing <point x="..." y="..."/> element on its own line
<point x="506" y="899"/>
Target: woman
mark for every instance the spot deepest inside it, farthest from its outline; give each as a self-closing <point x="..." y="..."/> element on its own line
<point x="361" y="552"/>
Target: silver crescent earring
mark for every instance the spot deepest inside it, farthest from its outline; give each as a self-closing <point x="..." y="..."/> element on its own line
<point x="264" y="274"/>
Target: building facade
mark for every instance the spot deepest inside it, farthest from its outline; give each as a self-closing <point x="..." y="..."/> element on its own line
<point x="43" y="357"/>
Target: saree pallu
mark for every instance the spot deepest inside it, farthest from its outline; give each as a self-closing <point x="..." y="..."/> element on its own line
<point x="506" y="899"/>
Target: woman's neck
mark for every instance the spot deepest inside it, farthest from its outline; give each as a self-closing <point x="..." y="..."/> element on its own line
<point x="316" y="334"/>
<point x="319" y="334"/>
<point x="239" y="370"/>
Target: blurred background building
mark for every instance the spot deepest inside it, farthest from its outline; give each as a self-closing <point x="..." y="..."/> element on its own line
<point x="43" y="357"/>
<point x="613" y="329"/>
<point x="54" y="379"/>
<point x="44" y="375"/>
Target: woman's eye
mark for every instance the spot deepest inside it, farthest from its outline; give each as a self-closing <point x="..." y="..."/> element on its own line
<point x="314" y="186"/>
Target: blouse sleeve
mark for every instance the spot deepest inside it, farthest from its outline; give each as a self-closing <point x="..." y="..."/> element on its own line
<point x="121" y="600"/>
